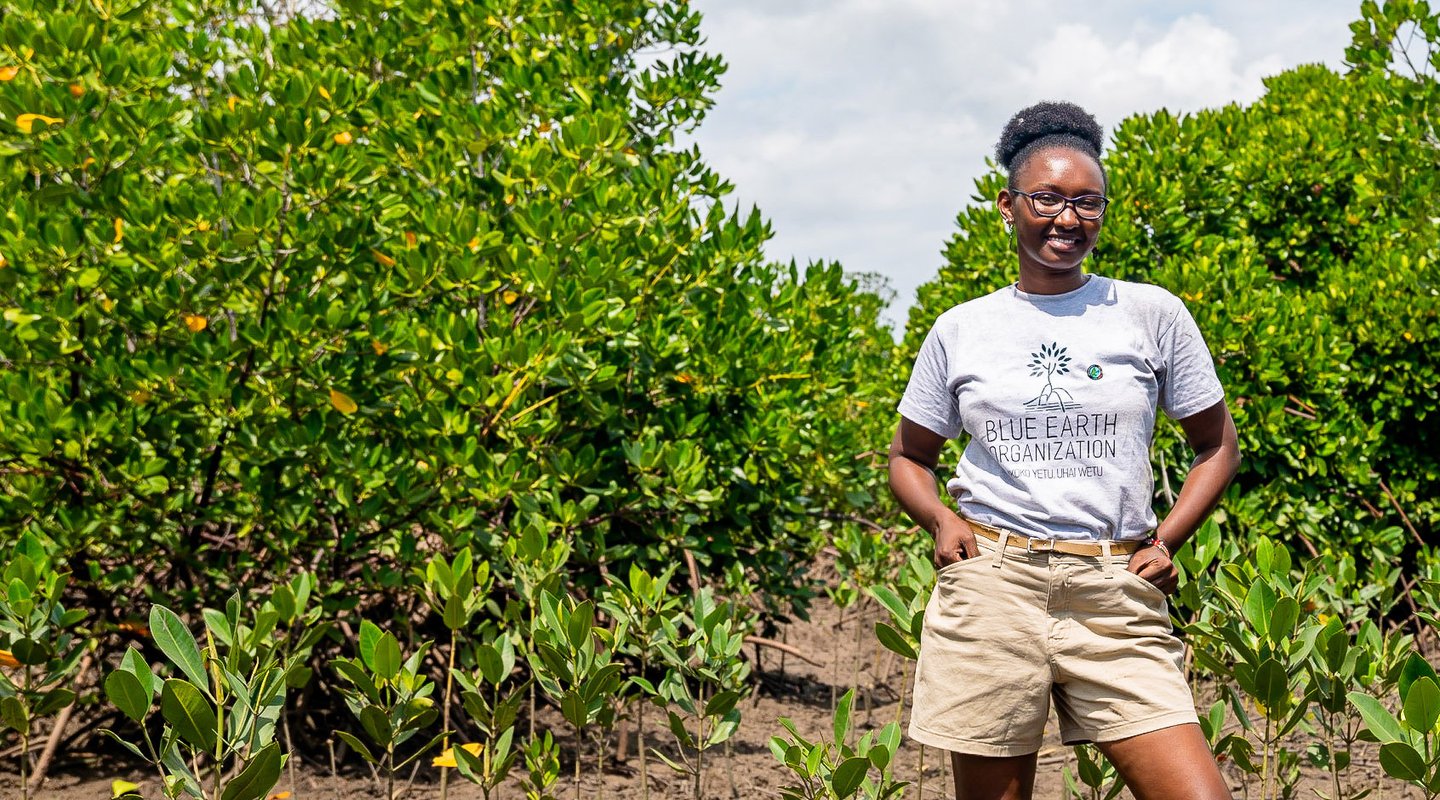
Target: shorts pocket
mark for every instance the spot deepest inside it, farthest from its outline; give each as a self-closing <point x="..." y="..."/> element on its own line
<point x="1151" y="590"/>
<point x="966" y="564"/>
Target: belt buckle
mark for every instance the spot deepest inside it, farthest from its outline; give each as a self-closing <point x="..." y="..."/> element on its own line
<point x="1030" y="546"/>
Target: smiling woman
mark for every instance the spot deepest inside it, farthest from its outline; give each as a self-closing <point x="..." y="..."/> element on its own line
<point x="1053" y="570"/>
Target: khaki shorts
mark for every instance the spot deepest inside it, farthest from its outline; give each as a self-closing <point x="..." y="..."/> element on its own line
<point x="1003" y="637"/>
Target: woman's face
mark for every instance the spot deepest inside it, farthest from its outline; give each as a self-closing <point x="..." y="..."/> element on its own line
<point x="1053" y="244"/>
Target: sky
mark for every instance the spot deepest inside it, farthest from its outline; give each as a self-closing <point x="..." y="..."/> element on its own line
<point x="858" y="127"/>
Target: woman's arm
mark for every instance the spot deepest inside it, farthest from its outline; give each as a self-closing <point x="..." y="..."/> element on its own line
<point x="914" y="452"/>
<point x="1211" y="434"/>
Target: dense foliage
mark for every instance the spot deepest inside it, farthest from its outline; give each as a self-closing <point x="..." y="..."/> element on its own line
<point x="339" y="290"/>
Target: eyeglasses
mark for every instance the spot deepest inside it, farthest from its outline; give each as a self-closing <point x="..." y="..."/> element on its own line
<point x="1050" y="204"/>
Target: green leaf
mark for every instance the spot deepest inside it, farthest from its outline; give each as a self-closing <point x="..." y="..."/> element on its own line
<point x="1415" y="668"/>
<point x="358" y="746"/>
<point x="54" y="700"/>
<point x="1282" y="619"/>
<point x="356" y="675"/>
<point x="891" y="601"/>
<point x="125" y="743"/>
<point x="14" y="716"/>
<point x="1422" y="707"/>
<point x="1259" y="606"/>
<point x="894" y="641"/>
<point x="721" y="704"/>
<point x="1401" y="761"/>
<point x="135" y="664"/>
<point x="124" y="691"/>
<point x="189" y="713"/>
<point x="580" y="624"/>
<point x="848" y="776"/>
<point x="841" y="721"/>
<point x="469" y="764"/>
<point x="677" y="728"/>
<point x="178" y="645"/>
<point x="369" y="638"/>
<point x="387" y="656"/>
<point x="574" y="709"/>
<point x="377" y="726"/>
<point x="455" y="615"/>
<point x="1272" y="685"/>
<point x="259" y="776"/>
<point x="283" y="598"/>
<point x="30" y="652"/>
<point x="492" y="668"/>
<point x="1377" y="718"/>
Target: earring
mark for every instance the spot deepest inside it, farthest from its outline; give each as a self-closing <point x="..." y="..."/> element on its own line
<point x="1010" y="230"/>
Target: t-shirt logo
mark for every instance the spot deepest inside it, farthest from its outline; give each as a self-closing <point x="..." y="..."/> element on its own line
<point x="1049" y="362"/>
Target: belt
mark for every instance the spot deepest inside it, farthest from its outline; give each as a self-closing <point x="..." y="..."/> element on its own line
<point x="1031" y="544"/>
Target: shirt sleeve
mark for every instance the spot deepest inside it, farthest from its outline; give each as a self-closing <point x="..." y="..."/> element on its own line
<point x="1189" y="384"/>
<point x="928" y="400"/>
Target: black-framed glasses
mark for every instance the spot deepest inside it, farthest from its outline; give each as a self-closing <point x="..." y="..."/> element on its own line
<point x="1051" y="204"/>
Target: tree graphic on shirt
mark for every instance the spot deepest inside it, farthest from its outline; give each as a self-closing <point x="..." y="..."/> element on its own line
<point x="1049" y="362"/>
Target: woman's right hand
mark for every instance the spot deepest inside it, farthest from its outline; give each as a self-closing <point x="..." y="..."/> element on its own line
<point x="954" y="541"/>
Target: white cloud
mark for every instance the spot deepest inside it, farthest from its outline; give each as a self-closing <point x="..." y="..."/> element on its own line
<point x="859" y="126"/>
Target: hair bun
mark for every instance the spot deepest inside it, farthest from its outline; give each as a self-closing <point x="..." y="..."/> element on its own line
<point x="1042" y="120"/>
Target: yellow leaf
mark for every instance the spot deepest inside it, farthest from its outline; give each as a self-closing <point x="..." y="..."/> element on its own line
<point x="344" y="138"/>
<point x="76" y="90"/>
<point x="195" y="322"/>
<point x="382" y="258"/>
<point x="474" y="244"/>
<point x="285" y="795"/>
<point x="342" y="402"/>
<point x="107" y="304"/>
<point x="3" y="261"/>
<point x="231" y="101"/>
<point x="7" y="659"/>
<point x="509" y="199"/>
<point x="410" y="239"/>
<point x="119" y="787"/>
<point x="25" y="122"/>
<point x="379" y="347"/>
<point x="8" y="73"/>
<point x="202" y="225"/>
<point x="447" y="758"/>
<point x="119" y="230"/>
<point x="323" y="93"/>
<point x="509" y="297"/>
<point x="87" y="162"/>
<point x="454" y="375"/>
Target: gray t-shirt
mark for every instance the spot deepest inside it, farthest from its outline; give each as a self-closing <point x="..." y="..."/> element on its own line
<point x="1058" y="394"/>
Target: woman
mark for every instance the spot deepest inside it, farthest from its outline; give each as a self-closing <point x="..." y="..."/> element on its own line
<point x="1053" y="575"/>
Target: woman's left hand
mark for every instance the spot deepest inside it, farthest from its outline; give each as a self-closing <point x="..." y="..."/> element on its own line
<point x="1155" y="566"/>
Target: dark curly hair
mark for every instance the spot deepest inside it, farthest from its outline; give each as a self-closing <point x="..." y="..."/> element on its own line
<point x="1046" y="125"/>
